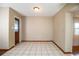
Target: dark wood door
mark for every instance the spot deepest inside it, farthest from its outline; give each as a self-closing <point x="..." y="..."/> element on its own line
<point x="17" y="28"/>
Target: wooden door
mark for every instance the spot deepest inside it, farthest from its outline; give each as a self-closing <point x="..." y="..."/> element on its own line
<point x="17" y="28"/>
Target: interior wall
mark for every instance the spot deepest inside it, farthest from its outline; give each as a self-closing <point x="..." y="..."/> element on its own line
<point x="59" y="29"/>
<point x="4" y="27"/>
<point x="12" y="15"/>
<point x="38" y="28"/>
<point x="68" y="31"/>
<point x="63" y="25"/>
<point x="23" y="28"/>
<point x="7" y="34"/>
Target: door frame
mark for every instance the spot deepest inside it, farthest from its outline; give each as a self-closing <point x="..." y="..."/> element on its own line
<point x="75" y="49"/>
<point x="19" y="27"/>
<point x="17" y="32"/>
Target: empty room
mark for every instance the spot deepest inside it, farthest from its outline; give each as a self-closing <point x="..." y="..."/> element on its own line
<point x="39" y="29"/>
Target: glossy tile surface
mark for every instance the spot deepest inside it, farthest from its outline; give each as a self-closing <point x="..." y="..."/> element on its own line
<point x="34" y="49"/>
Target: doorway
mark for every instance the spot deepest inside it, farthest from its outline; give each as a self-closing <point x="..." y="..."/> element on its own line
<point x="76" y="36"/>
<point x="17" y="30"/>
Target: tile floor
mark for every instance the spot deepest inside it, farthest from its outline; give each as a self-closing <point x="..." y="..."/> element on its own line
<point x="34" y="49"/>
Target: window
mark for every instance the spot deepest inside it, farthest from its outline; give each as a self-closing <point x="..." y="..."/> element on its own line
<point x="76" y="28"/>
<point x="16" y="26"/>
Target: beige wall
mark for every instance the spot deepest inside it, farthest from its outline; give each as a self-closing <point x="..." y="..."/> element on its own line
<point x="7" y="19"/>
<point x="59" y="29"/>
<point x="38" y="28"/>
<point x="12" y="15"/>
<point x="68" y="31"/>
<point x="63" y="27"/>
<point x="23" y="27"/>
<point x="4" y="27"/>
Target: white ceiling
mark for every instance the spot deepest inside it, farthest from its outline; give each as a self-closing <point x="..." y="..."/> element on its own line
<point x="26" y="9"/>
